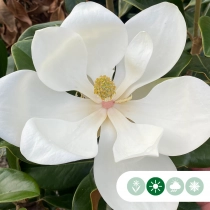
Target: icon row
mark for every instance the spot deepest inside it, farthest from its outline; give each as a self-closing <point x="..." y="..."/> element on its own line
<point x="156" y="186"/>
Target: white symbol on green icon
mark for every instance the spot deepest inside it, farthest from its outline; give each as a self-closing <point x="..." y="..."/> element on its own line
<point x="155" y="186"/>
<point x="136" y="186"/>
<point x="194" y="186"/>
<point x="175" y="186"/>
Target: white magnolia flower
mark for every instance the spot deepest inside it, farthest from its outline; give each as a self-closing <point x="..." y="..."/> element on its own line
<point x="54" y="127"/>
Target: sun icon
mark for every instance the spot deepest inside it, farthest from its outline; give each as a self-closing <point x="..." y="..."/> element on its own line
<point x="155" y="186"/>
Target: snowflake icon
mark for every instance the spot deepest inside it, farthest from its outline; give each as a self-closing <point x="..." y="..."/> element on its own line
<point x="194" y="186"/>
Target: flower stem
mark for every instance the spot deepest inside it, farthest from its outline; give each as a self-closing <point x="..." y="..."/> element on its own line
<point x="110" y="5"/>
<point x="197" y="41"/>
<point x="196" y="17"/>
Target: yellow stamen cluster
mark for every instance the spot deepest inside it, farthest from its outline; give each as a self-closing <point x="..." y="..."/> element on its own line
<point x="104" y="87"/>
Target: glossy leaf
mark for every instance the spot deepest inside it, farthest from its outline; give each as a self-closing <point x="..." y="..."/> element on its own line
<point x="123" y="7"/>
<point x="6" y="206"/>
<point x="199" y="65"/>
<point x="199" y="158"/>
<point x="13" y="149"/>
<point x="16" y="186"/>
<point x="188" y="206"/>
<point x="29" y="33"/>
<point x="70" y="4"/>
<point x="207" y="10"/>
<point x="180" y="65"/>
<point x="189" y="18"/>
<point x="192" y="3"/>
<point x="63" y="201"/>
<point x="82" y="197"/>
<point x="59" y="177"/>
<point x="143" y="4"/>
<point x="188" y="46"/>
<point x="10" y="65"/>
<point x="3" y="59"/>
<point x="102" y="204"/>
<point x="13" y="161"/>
<point x="204" y="25"/>
<point x="21" y="52"/>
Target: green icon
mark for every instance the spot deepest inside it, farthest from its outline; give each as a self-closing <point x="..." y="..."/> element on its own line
<point x="136" y="186"/>
<point x="175" y="186"/>
<point x="155" y="186"/>
<point x="194" y="186"/>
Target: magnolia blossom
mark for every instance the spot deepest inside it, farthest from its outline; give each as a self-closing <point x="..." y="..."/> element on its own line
<point x="52" y="126"/>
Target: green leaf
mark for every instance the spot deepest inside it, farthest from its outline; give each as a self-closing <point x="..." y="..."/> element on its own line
<point x="199" y="65"/>
<point x="70" y="4"/>
<point x="6" y="206"/>
<point x="16" y="186"/>
<point x="143" y="4"/>
<point x="82" y="197"/>
<point x="188" y="206"/>
<point x="10" y="65"/>
<point x="199" y="158"/>
<point x="183" y="61"/>
<point x="21" y="52"/>
<point x="58" y="177"/>
<point x="63" y="201"/>
<point x="29" y="33"/>
<point x="123" y="7"/>
<point x="192" y="3"/>
<point x="102" y="204"/>
<point x="188" y="46"/>
<point x="3" y="59"/>
<point x="204" y="25"/>
<point x="207" y="10"/>
<point x="14" y="150"/>
<point x="13" y="161"/>
<point x="189" y="18"/>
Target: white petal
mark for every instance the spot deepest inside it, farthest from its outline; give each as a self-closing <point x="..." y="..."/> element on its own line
<point x="143" y="91"/>
<point x="41" y="137"/>
<point x="167" y="28"/>
<point x="24" y="96"/>
<point x="136" y="59"/>
<point x="107" y="172"/>
<point x="104" y="35"/>
<point x="133" y="140"/>
<point x="60" y="59"/>
<point x="119" y="73"/>
<point x="181" y="107"/>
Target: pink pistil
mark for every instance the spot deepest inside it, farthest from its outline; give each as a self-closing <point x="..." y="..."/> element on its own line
<point x="107" y="104"/>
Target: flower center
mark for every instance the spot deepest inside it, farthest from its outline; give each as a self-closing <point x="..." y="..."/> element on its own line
<point x="107" y="104"/>
<point x="105" y="88"/>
